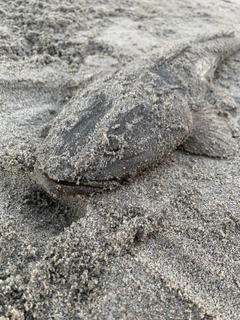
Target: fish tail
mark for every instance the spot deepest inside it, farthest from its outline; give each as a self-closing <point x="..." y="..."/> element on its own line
<point x="212" y="51"/>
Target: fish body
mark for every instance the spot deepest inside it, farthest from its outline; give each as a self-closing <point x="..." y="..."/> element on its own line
<point x="132" y="119"/>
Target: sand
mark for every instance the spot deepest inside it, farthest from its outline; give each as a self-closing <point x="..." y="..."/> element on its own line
<point x="164" y="246"/>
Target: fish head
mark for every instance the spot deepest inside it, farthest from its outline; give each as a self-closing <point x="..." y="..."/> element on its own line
<point x="106" y="135"/>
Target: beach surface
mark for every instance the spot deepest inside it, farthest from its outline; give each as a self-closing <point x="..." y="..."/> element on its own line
<point x="164" y="246"/>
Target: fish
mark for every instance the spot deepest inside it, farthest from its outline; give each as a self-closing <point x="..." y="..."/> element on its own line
<point x="127" y="122"/>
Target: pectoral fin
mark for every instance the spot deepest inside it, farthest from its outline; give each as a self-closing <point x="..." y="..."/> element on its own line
<point x="212" y="134"/>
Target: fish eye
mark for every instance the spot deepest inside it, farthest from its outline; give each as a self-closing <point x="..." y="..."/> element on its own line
<point x="113" y="144"/>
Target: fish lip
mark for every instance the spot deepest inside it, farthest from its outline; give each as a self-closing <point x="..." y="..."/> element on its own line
<point x="82" y="187"/>
<point x="85" y="183"/>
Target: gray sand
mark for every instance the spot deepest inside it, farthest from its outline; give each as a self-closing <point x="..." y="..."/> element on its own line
<point x="165" y="246"/>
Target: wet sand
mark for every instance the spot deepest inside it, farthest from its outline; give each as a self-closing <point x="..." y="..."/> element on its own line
<point x="166" y="245"/>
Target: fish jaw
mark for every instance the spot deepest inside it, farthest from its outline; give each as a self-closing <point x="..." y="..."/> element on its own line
<point x="111" y="177"/>
<point x="58" y="188"/>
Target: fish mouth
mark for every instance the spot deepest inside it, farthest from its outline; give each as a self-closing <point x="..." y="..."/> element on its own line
<point x="82" y="187"/>
<point x="95" y="182"/>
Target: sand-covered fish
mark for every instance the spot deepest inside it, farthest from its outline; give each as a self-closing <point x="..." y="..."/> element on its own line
<point x="130" y="120"/>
